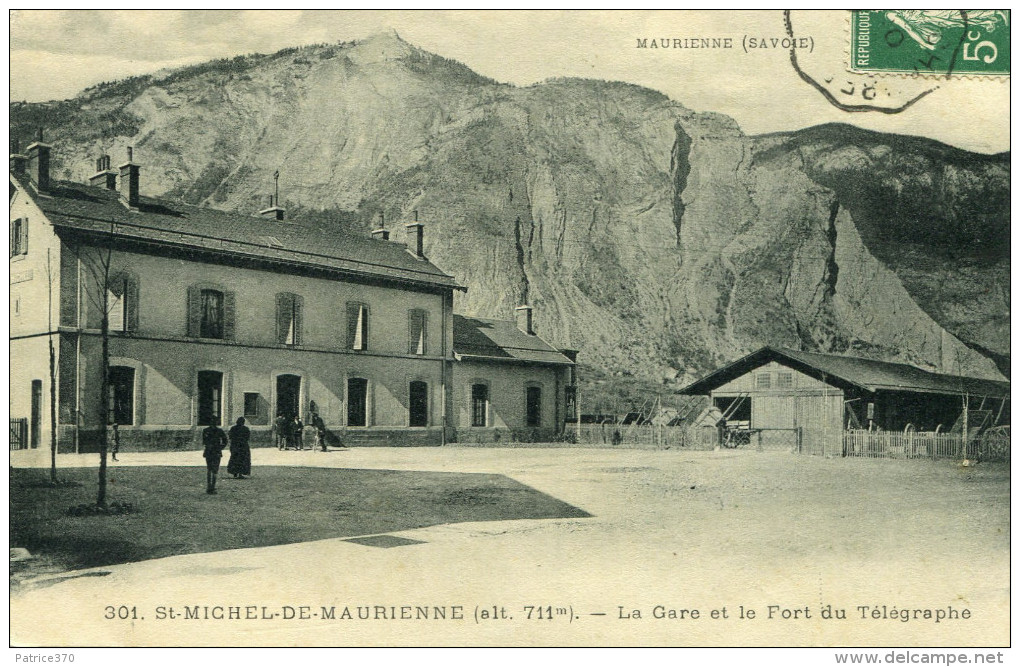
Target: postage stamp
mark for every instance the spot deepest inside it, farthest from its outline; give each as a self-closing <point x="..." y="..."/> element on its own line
<point x="939" y="42"/>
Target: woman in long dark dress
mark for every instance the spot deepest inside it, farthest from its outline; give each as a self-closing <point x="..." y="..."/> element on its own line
<point x="240" y="453"/>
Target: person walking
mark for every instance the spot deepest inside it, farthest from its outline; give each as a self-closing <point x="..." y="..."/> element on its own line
<point x="214" y="440"/>
<point x="116" y="441"/>
<point x="240" y="452"/>
<point x="282" y="425"/>
<point x="320" y="431"/>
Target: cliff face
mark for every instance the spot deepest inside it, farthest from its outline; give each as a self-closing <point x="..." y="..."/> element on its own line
<point x="658" y="241"/>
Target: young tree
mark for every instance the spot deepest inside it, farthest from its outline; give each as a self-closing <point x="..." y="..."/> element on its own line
<point x="97" y="259"/>
<point x="53" y="371"/>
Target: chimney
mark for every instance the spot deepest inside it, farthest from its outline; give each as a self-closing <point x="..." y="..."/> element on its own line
<point x="381" y="232"/>
<point x="105" y="177"/>
<point x="525" y="319"/>
<point x="129" y="180"/>
<point x="19" y="161"/>
<point x="416" y="238"/>
<point x="39" y="162"/>
<point x="274" y="210"/>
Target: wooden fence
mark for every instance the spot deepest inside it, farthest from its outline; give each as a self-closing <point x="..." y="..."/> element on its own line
<point x="650" y="436"/>
<point x="909" y="445"/>
<point x="644" y="436"/>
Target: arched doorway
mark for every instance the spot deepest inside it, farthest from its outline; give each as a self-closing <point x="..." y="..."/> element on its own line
<point x="288" y="396"/>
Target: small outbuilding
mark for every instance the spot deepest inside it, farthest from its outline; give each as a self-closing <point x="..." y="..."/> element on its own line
<point x="810" y="401"/>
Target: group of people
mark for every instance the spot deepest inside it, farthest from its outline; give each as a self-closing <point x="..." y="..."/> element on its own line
<point x="291" y="433"/>
<point x="215" y="441"/>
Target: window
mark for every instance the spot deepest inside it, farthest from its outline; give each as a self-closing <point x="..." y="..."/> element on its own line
<point x="533" y="400"/>
<point x="251" y="405"/>
<point x="418" y="404"/>
<point x="763" y="381"/>
<point x="784" y="380"/>
<point x="357" y="326"/>
<point x="121" y="406"/>
<point x="417" y="328"/>
<point x="357" y="402"/>
<point x="122" y="303"/>
<point x="288" y="318"/>
<point x="210" y="398"/>
<point x="210" y="312"/>
<point x="115" y="314"/>
<point x="19" y="237"/>
<point x="571" y="401"/>
<point x="479" y="405"/>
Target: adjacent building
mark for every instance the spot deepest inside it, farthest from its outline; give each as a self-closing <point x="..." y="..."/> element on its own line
<point x="511" y="384"/>
<point x="809" y="400"/>
<point x="214" y="316"/>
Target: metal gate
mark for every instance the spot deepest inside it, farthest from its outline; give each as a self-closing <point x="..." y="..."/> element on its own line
<point x="19" y="433"/>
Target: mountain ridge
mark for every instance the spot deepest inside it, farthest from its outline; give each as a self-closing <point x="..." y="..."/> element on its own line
<point x="660" y="241"/>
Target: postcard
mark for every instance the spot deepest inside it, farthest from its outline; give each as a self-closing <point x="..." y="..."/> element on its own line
<point x="476" y="328"/>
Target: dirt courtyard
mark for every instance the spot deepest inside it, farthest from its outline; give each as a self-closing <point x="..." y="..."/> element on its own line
<point x="824" y="552"/>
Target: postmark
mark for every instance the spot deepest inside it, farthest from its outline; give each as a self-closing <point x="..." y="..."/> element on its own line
<point x="926" y="42"/>
<point x="825" y="70"/>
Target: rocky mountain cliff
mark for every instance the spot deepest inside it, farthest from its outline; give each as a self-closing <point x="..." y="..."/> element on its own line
<point x="658" y="241"/>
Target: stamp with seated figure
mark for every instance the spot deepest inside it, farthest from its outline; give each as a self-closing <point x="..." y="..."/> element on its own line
<point x="933" y="42"/>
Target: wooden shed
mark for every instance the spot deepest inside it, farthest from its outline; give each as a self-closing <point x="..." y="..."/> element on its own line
<point x="807" y="401"/>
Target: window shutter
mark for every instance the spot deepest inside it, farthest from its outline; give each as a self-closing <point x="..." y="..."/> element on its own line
<point x="131" y="311"/>
<point x="410" y="331"/>
<point x="24" y="236"/>
<point x="352" y="324"/>
<point x="194" y="311"/>
<point x="298" y="310"/>
<point x="11" y="237"/>
<point x="228" y="316"/>
<point x="283" y="309"/>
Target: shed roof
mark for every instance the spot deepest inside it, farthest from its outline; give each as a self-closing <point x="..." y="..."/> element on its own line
<point x="867" y="374"/>
<point x="97" y="210"/>
<point x="477" y="339"/>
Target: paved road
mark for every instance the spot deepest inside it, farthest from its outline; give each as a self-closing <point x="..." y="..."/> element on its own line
<point x="671" y="532"/>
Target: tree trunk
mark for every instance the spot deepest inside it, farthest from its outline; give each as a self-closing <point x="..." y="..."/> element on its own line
<point x="104" y="385"/>
<point x="53" y="370"/>
<point x="53" y="412"/>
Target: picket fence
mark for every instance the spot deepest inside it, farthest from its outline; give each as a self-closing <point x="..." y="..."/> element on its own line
<point x="898" y="444"/>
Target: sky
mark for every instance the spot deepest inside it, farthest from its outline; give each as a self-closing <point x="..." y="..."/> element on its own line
<point x="55" y="54"/>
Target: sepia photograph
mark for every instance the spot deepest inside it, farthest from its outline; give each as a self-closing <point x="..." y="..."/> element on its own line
<point x="436" y="328"/>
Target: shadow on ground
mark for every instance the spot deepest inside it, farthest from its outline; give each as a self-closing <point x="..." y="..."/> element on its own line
<point x="278" y="505"/>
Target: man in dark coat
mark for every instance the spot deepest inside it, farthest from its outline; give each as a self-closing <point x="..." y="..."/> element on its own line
<point x="214" y="440"/>
<point x="282" y="426"/>
<point x="296" y="427"/>
<point x="320" y="430"/>
<point x="240" y="452"/>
